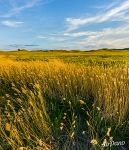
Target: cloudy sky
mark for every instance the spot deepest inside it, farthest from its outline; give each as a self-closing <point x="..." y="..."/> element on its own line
<point x="64" y="24"/>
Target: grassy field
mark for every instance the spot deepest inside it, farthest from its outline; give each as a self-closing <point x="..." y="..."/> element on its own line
<point x="64" y="100"/>
<point x="68" y="56"/>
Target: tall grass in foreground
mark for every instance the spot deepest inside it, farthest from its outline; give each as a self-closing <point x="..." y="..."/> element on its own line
<point x="56" y="105"/>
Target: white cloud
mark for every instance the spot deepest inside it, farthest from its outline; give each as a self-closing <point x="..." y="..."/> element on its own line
<point x="109" y="38"/>
<point x="78" y="34"/>
<point x="42" y="37"/>
<point x="17" y="6"/>
<point x="53" y="37"/>
<point x="116" y="37"/>
<point x="10" y="23"/>
<point x="116" y="12"/>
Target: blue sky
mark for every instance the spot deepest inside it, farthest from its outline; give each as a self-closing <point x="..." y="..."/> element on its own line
<point x="64" y="24"/>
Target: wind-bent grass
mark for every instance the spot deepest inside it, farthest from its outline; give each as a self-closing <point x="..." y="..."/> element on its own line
<point x="56" y="105"/>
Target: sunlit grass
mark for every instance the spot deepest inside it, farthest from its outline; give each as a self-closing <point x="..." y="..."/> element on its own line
<point x="57" y="105"/>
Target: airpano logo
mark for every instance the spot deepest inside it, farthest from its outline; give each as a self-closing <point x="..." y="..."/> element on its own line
<point x="113" y="143"/>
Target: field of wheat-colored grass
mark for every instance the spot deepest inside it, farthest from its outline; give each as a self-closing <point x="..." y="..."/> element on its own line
<point x="57" y="105"/>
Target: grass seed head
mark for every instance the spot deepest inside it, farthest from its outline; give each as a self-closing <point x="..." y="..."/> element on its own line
<point x="82" y="102"/>
<point x="94" y="142"/>
<point x="108" y="131"/>
<point x="72" y="135"/>
<point x="7" y="127"/>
